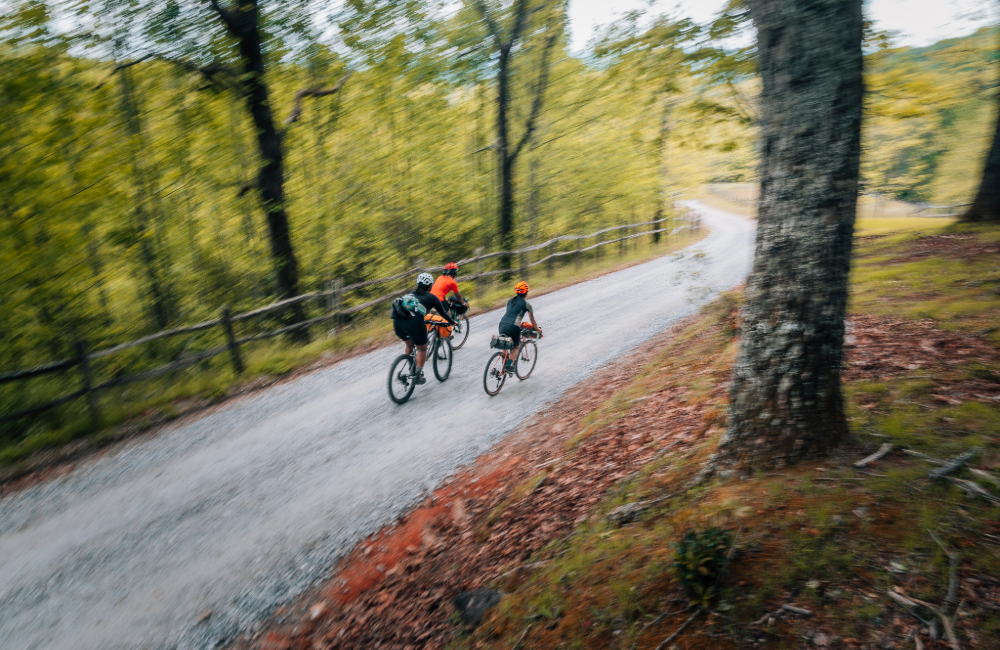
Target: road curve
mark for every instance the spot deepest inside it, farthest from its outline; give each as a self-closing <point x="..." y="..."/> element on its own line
<point x="246" y="507"/>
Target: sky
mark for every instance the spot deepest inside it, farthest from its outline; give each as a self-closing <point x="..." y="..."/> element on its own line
<point x="920" y="22"/>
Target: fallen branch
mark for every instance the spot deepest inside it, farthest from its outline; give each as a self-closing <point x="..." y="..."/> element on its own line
<point x="924" y="457"/>
<point x="986" y="476"/>
<point x="951" y="599"/>
<point x="954" y="464"/>
<point x="523" y="634"/>
<point x="796" y="610"/>
<point x="949" y="629"/>
<point x="883" y="450"/>
<point x="972" y="489"/>
<point x="663" y="643"/>
<point x="950" y="607"/>
<point x="654" y="622"/>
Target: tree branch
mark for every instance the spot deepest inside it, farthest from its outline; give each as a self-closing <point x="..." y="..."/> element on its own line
<point x="293" y="117"/>
<point x="536" y="103"/>
<point x="491" y="25"/>
<point x="216" y="73"/>
<point x="520" y="21"/>
<point x="226" y="15"/>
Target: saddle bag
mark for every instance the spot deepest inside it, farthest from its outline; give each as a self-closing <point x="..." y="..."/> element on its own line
<point x="443" y="328"/>
<point x="502" y="342"/>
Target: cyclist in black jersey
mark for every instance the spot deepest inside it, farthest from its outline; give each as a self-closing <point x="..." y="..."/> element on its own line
<point x="510" y="325"/>
<point x="412" y="329"/>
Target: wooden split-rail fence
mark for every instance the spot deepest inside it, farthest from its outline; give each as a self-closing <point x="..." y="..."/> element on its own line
<point x="332" y="300"/>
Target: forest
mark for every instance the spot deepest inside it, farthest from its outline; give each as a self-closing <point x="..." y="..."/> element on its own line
<point x="150" y="176"/>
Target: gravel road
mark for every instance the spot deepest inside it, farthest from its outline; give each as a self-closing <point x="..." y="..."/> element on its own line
<point x="242" y="509"/>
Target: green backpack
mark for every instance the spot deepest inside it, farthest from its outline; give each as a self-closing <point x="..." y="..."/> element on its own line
<point x="408" y="306"/>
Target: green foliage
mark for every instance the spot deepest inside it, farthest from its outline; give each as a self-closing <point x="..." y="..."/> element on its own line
<point x="699" y="557"/>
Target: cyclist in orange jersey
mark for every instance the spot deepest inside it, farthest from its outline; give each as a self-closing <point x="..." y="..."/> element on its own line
<point x="446" y="284"/>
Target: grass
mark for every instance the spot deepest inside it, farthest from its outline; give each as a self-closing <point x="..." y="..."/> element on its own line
<point x="824" y="535"/>
<point x="144" y="405"/>
<point x="741" y="198"/>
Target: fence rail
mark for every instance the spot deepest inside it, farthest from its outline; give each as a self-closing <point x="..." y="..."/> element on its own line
<point x="334" y="297"/>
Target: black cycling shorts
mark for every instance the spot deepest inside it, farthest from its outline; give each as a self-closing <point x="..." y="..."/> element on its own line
<point x="513" y="331"/>
<point x="457" y="308"/>
<point x="411" y="329"/>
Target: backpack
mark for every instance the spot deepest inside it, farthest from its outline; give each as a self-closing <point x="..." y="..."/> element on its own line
<point x="407" y="307"/>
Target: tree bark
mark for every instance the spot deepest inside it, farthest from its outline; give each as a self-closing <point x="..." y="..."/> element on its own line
<point x="986" y="206"/>
<point x="243" y="24"/>
<point x="786" y="402"/>
<point x="505" y="158"/>
<point x="160" y="303"/>
<point x="662" y="207"/>
<point x="507" y="152"/>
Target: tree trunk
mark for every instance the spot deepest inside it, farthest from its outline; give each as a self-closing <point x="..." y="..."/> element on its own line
<point x="242" y="23"/>
<point x="505" y="160"/>
<point x="986" y="206"/>
<point x="663" y="188"/>
<point x="785" y="402"/>
<point x="160" y="308"/>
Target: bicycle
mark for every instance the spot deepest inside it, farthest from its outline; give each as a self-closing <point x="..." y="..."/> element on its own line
<point x="401" y="380"/>
<point x="496" y="372"/>
<point x="460" y="333"/>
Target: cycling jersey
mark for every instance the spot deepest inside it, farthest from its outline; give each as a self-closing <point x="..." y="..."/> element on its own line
<point x="430" y="301"/>
<point x="444" y="285"/>
<point x="517" y="307"/>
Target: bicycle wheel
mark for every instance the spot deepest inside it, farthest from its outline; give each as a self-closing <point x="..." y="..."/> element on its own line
<point x="442" y="359"/>
<point x="526" y="359"/>
<point x="401" y="383"/>
<point x="460" y="333"/>
<point x="494" y="376"/>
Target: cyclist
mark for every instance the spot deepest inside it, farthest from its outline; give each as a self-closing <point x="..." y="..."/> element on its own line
<point x="510" y="325"/>
<point x="446" y="284"/>
<point x="410" y="327"/>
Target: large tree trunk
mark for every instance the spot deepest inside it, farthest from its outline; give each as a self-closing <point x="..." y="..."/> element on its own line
<point x="505" y="159"/>
<point x="786" y="402"/>
<point x="986" y="206"/>
<point x="243" y="25"/>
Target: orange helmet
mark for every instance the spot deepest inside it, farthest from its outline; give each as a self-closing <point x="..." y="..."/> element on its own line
<point x="521" y="287"/>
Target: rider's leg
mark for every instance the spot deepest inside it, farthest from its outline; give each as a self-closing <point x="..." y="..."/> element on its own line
<point x="512" y="357"/>
<point x="409" y="346"/>
<point x="421" y="355"/>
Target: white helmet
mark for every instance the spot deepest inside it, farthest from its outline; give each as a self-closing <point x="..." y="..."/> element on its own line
<point x="425" y="278"/>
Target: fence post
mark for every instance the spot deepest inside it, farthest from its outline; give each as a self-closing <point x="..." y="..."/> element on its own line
<point x="550" y="264"/>
<point x="81" y="351"/>
<point x="336" y="301"/>
<point x="523" y="271"/>
<point x="479" y="269"/>
<point x="622" y="243"/>
<point x="578" y="258"/>
<point x="234" y="348"/>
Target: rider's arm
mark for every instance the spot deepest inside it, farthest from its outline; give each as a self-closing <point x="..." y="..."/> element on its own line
<point x="454" y="290"/>
<point x="531" y="314"/>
